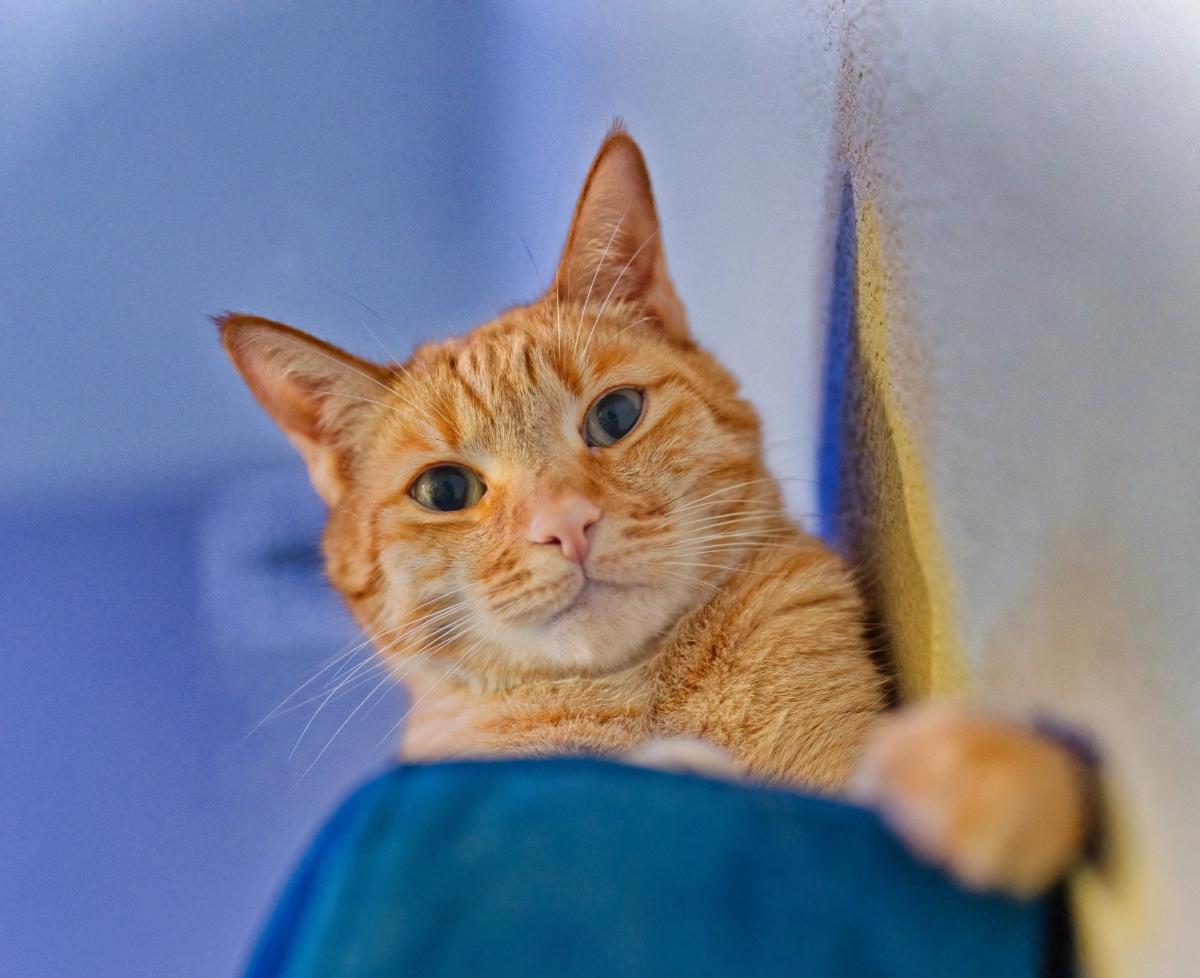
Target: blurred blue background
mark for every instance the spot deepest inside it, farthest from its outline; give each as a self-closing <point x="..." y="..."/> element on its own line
<point x="403" y="170"/>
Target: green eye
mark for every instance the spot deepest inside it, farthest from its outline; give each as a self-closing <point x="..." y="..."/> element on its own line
<point x="447" y="488"/>
<point x="612" y="417"/>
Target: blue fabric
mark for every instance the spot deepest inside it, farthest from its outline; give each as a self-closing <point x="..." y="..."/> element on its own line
<point x="588" y="868"/>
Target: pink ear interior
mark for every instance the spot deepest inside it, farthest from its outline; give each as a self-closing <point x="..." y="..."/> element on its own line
<point x="307" y="386"/>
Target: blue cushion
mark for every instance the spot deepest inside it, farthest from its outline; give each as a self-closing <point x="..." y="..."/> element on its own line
<point x="584" y="867"/>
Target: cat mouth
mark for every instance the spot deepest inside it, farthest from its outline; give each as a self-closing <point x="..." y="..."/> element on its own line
<point x="589" y="593"/>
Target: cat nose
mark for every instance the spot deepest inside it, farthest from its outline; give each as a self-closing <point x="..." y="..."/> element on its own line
<point x="564" y="520"/>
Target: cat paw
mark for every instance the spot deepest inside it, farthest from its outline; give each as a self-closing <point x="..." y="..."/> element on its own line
<point x="688" y="755"/>
<point x="995" y="804"/>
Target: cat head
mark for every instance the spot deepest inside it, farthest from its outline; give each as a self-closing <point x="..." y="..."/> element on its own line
<point x="547" y="494"/>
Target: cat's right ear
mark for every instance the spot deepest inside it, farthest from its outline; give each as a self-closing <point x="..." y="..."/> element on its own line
<point x="614" y="249"/>
<point x="319" y="395"/>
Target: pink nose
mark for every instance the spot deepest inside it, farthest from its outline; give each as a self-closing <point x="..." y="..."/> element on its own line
<point x="564" y="520"/>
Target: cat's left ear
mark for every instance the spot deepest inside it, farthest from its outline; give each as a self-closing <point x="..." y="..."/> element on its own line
<point x="322" y="397"/>
<point x="614" y="249"/>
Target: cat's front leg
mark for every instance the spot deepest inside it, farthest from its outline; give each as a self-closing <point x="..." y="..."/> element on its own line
<point x="997" y="805"/>
<point x="690" y="755"/>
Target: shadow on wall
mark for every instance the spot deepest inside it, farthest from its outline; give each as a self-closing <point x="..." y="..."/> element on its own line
<point x="870" y="485"/>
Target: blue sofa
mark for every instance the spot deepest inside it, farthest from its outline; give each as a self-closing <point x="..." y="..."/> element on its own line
<point x="587" y="868"/>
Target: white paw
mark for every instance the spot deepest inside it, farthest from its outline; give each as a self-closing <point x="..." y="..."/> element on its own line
<point x="686" y="754"/>
<point x="996" y="805"/>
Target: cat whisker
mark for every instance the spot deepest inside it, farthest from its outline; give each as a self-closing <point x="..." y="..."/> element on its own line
<point x="732" y="536"/>
<point x="604" y="305"/>
<point x="720" y="519"/>
<point x="394" y="684"/>
<point x="373" y="653"/>
<point x="373" y="665"/>
<point x="374" y="380"/>
<point x="781" y="538"/>
<point x="350" y="686"/>
<point x="691" y="579"/>
<point x="731" y="488"/>
<point x="748" y="543"/>
<point x="362" y="672"/>
<point x="454" y="667"/>
<point x="347" y="667"/>
<point x="692" y="504"/>
<point x="411" y="626"/>
<point x="712" y="530"/>
<point x="731" y="529"/>
<point x="725" y="567"/>
<point x="529" y="254"/>
<point x="599" y="265"/>
<point x="745" y="541"/>
<point x="625" y="329"/>
<point x="390" y="677"/>
<point x="351" y="397"/>
<point x="750" y="508"/>
<point x="420" y="699"/>
<point x="433" y="645"/>
<point x="412" y="660"/>
<point x="339" y="657"/>
<point x="738" y="551"/>
<point x="362" y="322"/>
<point x="342" y="726"/>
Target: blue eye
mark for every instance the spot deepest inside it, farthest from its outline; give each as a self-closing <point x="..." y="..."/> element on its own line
<point x="612" y="417"/>
<point x="447" y="488"/>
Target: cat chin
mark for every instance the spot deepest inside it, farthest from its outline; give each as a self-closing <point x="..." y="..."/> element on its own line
<point x="605" y="629"/>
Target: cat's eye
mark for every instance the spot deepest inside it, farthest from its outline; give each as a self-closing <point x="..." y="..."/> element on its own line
<point x="447" y="488"/>
<point x="612" y="417"/>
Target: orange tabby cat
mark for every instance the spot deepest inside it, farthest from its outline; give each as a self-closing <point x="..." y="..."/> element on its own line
<point x="561" y="531"/>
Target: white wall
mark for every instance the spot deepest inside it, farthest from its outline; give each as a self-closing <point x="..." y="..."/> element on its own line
<point x="1037" y="167"/>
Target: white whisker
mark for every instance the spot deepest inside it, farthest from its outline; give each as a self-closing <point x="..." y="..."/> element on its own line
<point x="724" y="567"/>
<point x="691" y="579"/>
<point x="342" y="726"/>
<point x="720" y="519"/>
<point x="599" y="265"/>
<point x="417" y="702"/>
<point x="362" y="322"/>
<point x="653" y="234"/>
<point x="341" y="363"/>
<point x="625" y="329"/>
<point x="370" y="665"/>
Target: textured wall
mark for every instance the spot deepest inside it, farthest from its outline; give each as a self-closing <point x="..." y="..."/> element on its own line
<point x="1024" y="174"/>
